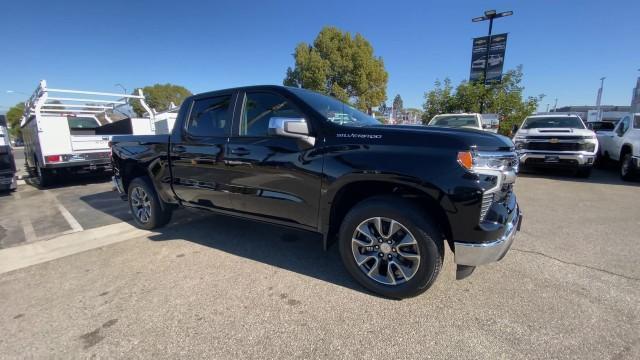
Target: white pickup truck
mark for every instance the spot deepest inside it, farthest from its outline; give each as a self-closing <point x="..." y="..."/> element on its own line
<point x="558" y="141"/>
<point x="487" y="122"/>
<point x="623" y="144"/>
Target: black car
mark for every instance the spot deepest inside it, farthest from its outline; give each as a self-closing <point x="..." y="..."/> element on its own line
<point x="391" y="196"/>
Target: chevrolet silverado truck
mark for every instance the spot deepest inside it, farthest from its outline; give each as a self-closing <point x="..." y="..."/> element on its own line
<point x="392" y="197"/>
<point x="557" y="141"/>
<point x="622" y="144"/>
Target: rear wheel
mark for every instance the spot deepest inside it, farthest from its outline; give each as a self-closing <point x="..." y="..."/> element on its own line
<point x="627" y="170"/>
<point x="44" y="177"/>
<point x="391" y="247"/>
<point x="144" y="203"/>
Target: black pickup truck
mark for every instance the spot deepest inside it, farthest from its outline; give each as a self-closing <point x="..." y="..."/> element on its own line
<point x="391" y="196"/>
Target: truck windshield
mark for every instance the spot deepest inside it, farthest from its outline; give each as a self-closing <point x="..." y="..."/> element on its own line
<point x="335" y="110"/>
<point x="82" y="123"/>
<point x="454" y="121"/>
<point x="571" y="122"/>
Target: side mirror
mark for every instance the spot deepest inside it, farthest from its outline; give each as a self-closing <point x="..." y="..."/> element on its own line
<point x="514" y="128"/>
<point x="291" y="127"/>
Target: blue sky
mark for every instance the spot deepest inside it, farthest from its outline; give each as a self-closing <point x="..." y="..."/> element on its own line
<point x="564" y="46"/>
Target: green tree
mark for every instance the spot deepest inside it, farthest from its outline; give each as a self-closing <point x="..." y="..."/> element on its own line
<point x="397" y="103"/>
<point x="503" y="98"/>
<point x="159" y="97"/>
<point x="13" y="120"/>
<point x="340" y="65"/>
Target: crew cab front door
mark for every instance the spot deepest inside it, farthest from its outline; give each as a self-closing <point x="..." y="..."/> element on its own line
<point x="618" y="137"/>
<point x="272" y="176"/>
<point x="198" y="152"/>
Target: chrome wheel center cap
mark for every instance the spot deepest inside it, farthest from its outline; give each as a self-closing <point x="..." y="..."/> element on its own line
<point x="385" y="248"/>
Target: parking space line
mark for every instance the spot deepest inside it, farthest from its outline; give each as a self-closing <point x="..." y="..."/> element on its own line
<point x="25" y="223"/>
<point x="73" y="223"/>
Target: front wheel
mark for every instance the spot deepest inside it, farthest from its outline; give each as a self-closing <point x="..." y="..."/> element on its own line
<point x="391" y="247"/>
<point x="145" y="206"/>
<point x="627" y="168"/>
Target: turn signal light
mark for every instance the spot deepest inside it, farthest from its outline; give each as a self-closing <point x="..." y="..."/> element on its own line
<point x="52" y="158"/>
<point x="465" y="159"/>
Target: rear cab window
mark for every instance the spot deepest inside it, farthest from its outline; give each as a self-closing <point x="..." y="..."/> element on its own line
<point x="210" y="117"/>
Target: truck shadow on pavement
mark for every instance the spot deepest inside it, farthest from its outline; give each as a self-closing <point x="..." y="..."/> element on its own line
<point x="290" y="249"/>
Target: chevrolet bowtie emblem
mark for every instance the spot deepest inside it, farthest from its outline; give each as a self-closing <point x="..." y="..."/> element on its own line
<point x="554" y="141"/>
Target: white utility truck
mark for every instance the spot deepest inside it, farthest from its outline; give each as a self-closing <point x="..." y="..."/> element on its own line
<point x="62" y="133"/>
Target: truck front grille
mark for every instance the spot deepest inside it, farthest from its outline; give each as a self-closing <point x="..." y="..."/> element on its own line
<point x="560" y="146"/>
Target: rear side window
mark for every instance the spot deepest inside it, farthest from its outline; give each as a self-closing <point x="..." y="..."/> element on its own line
<point x="259" y="107"/>
<point x="636" y="122"/>
<point x="210" y="117"/>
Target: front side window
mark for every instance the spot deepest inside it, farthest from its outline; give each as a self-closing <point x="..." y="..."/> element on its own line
<point x="334" y="110"/>
<point x="210" y="117"/>
<point x="259" y="108"/>
<point x="624" y="126"/>
<point x="570" y="122"/>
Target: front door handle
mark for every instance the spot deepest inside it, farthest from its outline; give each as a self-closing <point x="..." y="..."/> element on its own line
<point x="179" y="149"/>
<point x="240" y="151"/>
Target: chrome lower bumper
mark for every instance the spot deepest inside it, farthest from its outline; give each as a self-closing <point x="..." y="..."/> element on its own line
<point x="582" y="158"/>
<point x="475" y="254"/>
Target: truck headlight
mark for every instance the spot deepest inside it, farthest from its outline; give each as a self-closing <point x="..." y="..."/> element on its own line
<point x="475" y="161"/>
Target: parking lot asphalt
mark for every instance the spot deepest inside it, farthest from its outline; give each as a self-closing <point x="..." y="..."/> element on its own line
<point x="218" y="287"/>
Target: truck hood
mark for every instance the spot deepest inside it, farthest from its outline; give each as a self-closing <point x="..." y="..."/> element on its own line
<point x="459" y="138"/>
<point x="555" y="132"/>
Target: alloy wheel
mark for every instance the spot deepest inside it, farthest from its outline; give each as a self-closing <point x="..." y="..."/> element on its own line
<point x="141" y="204"/>
<point x="385" y="251"/>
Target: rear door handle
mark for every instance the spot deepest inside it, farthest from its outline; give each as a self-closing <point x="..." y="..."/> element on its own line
<point x="179" y="149"/>
<point x="240" y="151"/>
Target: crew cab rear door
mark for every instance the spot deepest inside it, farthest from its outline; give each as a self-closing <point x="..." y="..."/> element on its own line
<point x="272" y="176"/>
<point x="198" y="152"/>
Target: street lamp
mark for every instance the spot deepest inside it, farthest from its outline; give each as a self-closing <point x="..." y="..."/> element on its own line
<point x="489" y="15"/>
<point x="121" y="86"/>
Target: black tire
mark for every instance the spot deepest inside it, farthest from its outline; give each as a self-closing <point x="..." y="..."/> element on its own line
<point x="627" y="169"/>
<point x="584" y="172"/>
<point x="428" y="239"/>
<point x="153" y="215"/>
<point x="44" y="177"/>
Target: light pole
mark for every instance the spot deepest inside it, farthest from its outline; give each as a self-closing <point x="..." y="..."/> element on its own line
<point x="555" y="105"/>
<point x="488" y="15"/>
<point x="599" y="98"/>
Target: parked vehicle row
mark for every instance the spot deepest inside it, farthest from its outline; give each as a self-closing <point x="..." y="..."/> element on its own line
<point x="297" y="158"/>
<point x="488" y="122"/>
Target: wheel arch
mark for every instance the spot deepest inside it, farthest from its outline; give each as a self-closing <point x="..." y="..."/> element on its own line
<point x="625" y="149"/>
<point x="346" y="195"/>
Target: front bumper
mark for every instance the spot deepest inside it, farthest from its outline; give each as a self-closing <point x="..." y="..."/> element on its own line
<point x="539" y="158"/>
<point x="475" y="254"/>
